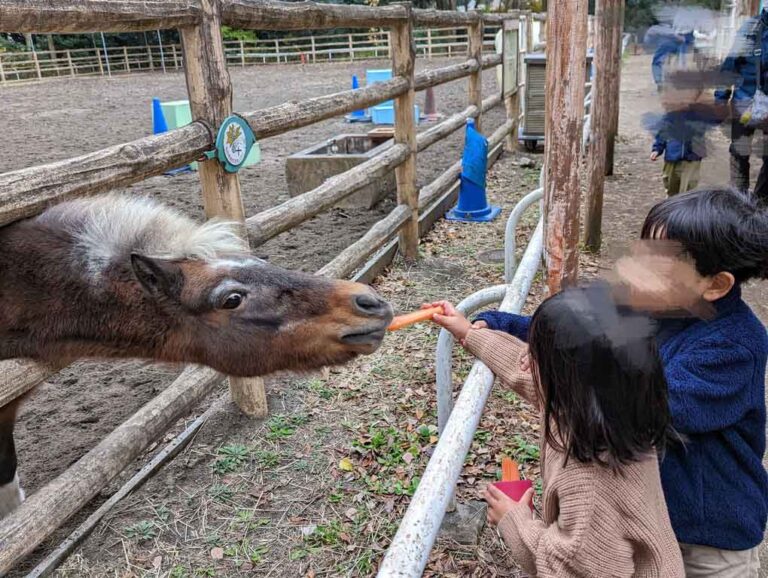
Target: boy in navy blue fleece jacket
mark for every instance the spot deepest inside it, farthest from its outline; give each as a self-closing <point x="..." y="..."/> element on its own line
<point x="714" y="481"/>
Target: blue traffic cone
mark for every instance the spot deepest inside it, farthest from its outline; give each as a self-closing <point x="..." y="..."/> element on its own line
<point x="158" y="118"/>
<point x="356" y="115"/>
<point x="473" y="204"/>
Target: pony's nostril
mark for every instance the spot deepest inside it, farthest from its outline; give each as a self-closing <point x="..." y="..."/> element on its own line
<point x="369" y="304"/>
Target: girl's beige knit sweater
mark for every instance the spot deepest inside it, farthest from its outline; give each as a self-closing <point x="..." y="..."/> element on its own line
<point x="596" y="522"/>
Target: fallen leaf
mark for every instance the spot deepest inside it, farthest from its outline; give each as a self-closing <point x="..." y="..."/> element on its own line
<point x="157" y="562"/>
<point x="351" y="513"/>
<point x="346" y="465"/>
<point x="217" y="553"/>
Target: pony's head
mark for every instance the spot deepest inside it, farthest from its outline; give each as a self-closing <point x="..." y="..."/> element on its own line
<point x="193" y="293"/>
<point x="245" y="317"/>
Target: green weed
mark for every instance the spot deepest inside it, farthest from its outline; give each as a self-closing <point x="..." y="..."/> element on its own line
<point x="144" y="530"/>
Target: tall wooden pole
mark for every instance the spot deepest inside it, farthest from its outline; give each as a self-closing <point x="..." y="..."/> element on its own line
<point x="566" y="76"/>
<point x="512" y="101"/>
<point x="210" y="98"/>
<point x="613" y="75"/>
<point x="475" y="42"/>
<point x="608" y="18"/>
<point x="403" y="65"/>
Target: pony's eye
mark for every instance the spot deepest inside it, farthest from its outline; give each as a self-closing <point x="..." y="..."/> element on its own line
<point x="232" y="301"/>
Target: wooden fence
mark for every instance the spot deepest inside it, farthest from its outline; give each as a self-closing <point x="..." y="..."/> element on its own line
<point x="26" y="192"/>
<point x="23" y="67"/>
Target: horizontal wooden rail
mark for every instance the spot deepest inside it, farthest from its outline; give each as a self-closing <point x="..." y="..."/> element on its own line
<point x="59" y="16"/>
<point x="444" y="18"/>
<point x="426" y="139"/>
<point x="491" y="60"/>
<point x="433" y="190"/>
<point x="20" y="376"/>
<point x="49" y="507"/>
<point x="269" y="15"/>
<point x="26" y="192"/>
<point x="358" y="252"/>
<point x="296" y="114"/>
<point x="278" y="219"/>
<point x="491" y="102"/>
<point x="436" y="76"/>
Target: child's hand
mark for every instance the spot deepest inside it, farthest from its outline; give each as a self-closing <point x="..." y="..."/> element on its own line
<point x="499" y="503"/>
<point x="480" y="324"/>
<point x="453" y="321"/>
<point x="654" y="155"/>
<point x="525" y="362"/>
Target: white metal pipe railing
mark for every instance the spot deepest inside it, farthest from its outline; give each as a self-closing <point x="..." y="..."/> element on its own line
<point x="408" y="554"/>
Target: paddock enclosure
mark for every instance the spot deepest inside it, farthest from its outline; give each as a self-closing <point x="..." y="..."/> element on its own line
<point x="88" y="117"/>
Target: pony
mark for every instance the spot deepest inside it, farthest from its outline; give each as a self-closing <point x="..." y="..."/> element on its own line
<point x="117" y="277"/>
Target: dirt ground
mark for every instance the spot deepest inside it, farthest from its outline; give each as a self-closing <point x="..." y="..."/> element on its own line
<point x="319" y="487"/>
<point x="41" y="123"/>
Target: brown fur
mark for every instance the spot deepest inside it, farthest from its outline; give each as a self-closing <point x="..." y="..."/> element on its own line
<point x="68" y="291"/>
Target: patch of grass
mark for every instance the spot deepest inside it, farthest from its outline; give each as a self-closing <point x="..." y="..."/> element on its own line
<point x="524" y="451"/>
<point x="482" y="436"/>
<point x="232" y="458"/>
<point x="318" y="386"/>
<point x="509" y="396"/>
<point x="326" y="534"/>
<point x="163" y="513"/>
<point x="143" y="530"/>
<point x="205" y="571"/>
<point x="178" y="571"/>
<point x="266" y="459"/>
<point x="284" y="426"/>
<point x="221" y="492"/>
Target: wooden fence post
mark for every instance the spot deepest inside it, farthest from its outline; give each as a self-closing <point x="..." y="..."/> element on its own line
<point x="403" y="65"/>
<point x="475" y="49"/>
<point x="566" y="75"/>
<point x="126" y="61"/>
<point x="512" y="101"/>
<point x="613" y="73"/>
<point x="37" y="65"/>
<point x="351" y="47"/>
<point x="607" y="16"/>
<point x="429" y="43"/>
<point x="2" y="72"/>
<point x="277" y="50"/>
<point x="149" y="55"/>
<point x="210" y="98"/>
<point x="98" y="59"/>
<point x="314" y="49"/>
<point x="175" y="58"/>
<point x="242" y="53"/>
<point x="70" y="64"/>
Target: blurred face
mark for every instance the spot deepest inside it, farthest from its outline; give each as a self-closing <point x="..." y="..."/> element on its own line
<point x="659" y="277"/>
<point x="674" y="98"/>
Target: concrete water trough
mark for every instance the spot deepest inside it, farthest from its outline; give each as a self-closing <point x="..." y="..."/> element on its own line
<point x="308" y="169"/>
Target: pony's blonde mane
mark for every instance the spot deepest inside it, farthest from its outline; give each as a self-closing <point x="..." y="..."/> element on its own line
<point x="111" y="227"/>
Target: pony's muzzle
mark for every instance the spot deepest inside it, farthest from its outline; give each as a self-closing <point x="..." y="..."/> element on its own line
<point x="371" y="305"/>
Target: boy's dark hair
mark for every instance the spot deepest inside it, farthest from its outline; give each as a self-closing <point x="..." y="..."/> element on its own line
<point x="602" y="383"/>
<point x="721" y="229"/>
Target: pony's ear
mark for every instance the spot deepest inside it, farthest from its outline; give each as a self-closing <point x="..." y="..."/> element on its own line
<point x="159" y="277"/>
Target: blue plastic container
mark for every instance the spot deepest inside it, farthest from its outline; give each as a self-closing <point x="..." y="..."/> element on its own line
<point x="382" y="114"/>
<point x="374" y="76"/>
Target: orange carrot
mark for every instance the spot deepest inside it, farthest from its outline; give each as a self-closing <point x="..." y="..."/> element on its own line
<point x="509" y="470"/>
<point x="410" y="318"/>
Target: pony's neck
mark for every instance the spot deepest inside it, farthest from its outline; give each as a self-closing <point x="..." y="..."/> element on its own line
<point x="52" y="308"/>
